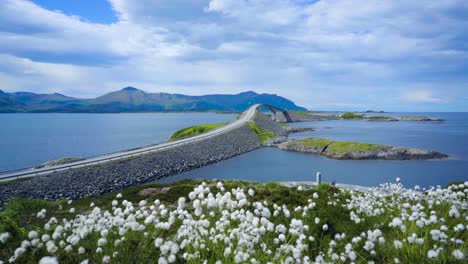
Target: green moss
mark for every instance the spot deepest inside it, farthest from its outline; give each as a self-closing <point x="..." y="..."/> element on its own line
<point x="194" y="131"/>
<point x="349" y="115"/>
<point x="262" y="134"/>
<point x="347" y="146"/>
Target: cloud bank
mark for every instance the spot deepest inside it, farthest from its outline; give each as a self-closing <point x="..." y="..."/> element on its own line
<point x="327" y="54"/>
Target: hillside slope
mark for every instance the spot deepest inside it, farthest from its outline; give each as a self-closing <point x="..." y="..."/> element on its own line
<point x="131" y="99"/>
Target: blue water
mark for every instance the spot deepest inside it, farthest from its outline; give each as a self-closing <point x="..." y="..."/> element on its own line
<point x="32" y="139"/>
<point x="268" y="164"/>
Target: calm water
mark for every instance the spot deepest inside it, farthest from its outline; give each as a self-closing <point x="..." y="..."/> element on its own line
<point x="268" y="164"/>
<point x="31" y="139"/>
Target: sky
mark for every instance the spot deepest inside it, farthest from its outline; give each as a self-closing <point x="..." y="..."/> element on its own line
<point x="390" y="55"/>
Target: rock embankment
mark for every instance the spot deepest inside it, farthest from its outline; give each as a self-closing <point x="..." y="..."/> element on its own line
<point x="117" y="175"/>
<point x="357" y="151"/>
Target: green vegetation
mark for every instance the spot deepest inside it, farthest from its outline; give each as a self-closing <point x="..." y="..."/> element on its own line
<point x="349" y="115"/>
<point x="314" y="142"/>
<point x="253" y="219"/>
<point x="347" y="146"/>
<point x="283" y="124"/>
<point x="335" y="146"/>
<point x="381" y="118"/>
<point x="262" y="134"/>
<point x="194" y="131"/>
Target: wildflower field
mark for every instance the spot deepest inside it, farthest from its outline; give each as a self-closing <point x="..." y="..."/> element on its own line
<point x="241" y="222"/>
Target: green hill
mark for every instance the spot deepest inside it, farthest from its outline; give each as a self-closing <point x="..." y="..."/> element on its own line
<point x="131" y="99"/>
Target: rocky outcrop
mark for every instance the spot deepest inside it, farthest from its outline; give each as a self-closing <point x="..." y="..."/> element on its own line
<point x="361" y="151"/>
<point x="420" y="118"/>
<point x="386" y="153"/>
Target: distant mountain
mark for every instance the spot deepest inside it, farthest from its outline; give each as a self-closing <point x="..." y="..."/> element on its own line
<point x="131" y="99"/>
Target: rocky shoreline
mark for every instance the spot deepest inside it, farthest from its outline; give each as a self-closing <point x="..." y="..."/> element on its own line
<point x="117" y="175"/>
<point x="362" y="151"/>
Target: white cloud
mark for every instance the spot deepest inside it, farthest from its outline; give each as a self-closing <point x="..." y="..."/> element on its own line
<point x="315" y="52"/>
<point x="420" y="96"/>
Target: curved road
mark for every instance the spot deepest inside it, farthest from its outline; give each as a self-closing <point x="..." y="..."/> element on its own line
<point x="245" y="117"/>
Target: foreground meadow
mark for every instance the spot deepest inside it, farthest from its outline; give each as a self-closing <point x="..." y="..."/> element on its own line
<point x="241" y="222"/>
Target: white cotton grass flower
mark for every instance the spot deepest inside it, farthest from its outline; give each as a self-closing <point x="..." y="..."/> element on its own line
<point x="48" y="260"/>
<point x="432" y="254"/>
<point x="458" y="254"/>
<point x="81" y="250"/>
<point x="72" y="210"/>
<point x="4" y="237"/>
<point x="397" y="244"/>
<point x="118" y="196"/>
<point x="325" y="227"/>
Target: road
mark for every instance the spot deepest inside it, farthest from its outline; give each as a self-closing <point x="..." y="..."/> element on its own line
<point x="32" y="172"/>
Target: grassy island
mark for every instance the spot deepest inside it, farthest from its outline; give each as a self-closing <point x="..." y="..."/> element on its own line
<point x="240" y="222"/>
<point x="381" y="118"/>
<point x="194" y="131"/>
<point x="262" y="134"/>
<point x="350" y="116"/>
<point x="357" y="150"/>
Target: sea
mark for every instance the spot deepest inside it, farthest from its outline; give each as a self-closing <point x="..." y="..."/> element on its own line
<point x="27" y="140"/>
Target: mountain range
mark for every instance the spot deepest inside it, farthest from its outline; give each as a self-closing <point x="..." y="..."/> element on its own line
<point x="131" y="99"/>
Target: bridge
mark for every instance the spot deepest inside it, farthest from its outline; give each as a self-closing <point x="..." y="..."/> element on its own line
<point x="279" y="115"/>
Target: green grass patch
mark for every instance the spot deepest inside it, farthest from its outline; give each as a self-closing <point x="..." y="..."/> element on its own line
<point x="194" y="131"/>
<point x="349" y="115"/>
<point x="315" y="142"/>
<point x="380" y="118"/>
<point x="262" y="134"/>
<point x="283" y="124"/>
<point x="347" y="146"/>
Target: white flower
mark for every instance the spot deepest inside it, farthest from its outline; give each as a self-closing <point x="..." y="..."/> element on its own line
<point x="72" y="210"/>
<point x="317" y="220"/>
<point x="118" y="196"/>
<point x="325" y="227"/>
<point x="4" y="237"/>
<point x="397" y="244"/>
<point x="81" y="250"/>
<point x="45" y="238"/>
<point x="19" y="251"/>
<point x="48" y="260"/>
<point x="432" y="253"/>
<point x="396" y="222"/>
<point x="102" y="242"/>
<point x="458" y="254"/>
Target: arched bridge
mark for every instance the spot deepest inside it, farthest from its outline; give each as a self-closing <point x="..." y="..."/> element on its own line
<point x="279" y="115"/>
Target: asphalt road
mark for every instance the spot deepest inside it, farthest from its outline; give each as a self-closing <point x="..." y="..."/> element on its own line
<point x="32" y="172"/>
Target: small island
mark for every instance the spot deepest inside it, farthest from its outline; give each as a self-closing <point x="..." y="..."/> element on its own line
<point x="354" y="116"/>
<point x="420" y="118"/>
<point x="347" y="150"/>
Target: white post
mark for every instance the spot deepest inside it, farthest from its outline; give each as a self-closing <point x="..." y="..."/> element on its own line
<point x="318" y="179"/>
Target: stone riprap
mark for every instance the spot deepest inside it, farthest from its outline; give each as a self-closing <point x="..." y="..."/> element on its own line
<point x="117" y="175"/>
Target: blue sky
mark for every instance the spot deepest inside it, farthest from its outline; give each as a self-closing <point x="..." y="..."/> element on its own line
<point x="324" y="55"/>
